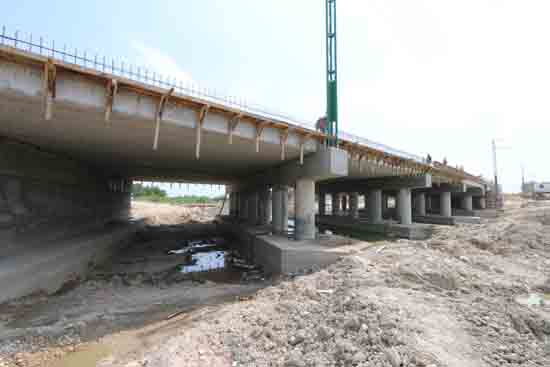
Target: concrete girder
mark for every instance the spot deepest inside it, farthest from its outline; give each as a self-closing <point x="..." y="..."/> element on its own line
<point x="444" y="187"/>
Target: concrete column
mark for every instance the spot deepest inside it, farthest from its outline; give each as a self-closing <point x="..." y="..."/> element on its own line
<point x="429" y="203"/>
<point x="404" y="206"/>
<point x="337" y="204"/>
<point x="304" y="204"/>
<point x="482" y="203"/>
<point x="322" y="203"/>
<point x="253" y="208"/>
<point x="467" y="202"/>
<point x="420" y="203"/>
<point x="264" y="208"/>
<point x="374" y="206"/>
<point x="280" y="209"/>
<point x="445" y="204"/>
<point x="344" y="203"/>
<point x="354" y="205"/>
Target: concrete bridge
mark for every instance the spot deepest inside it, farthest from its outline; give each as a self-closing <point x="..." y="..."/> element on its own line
<point x="76" y="133"/>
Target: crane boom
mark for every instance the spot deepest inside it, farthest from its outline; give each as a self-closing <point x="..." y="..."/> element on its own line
<point x="331" y="127"/>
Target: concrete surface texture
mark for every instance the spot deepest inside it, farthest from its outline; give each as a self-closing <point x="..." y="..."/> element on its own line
<point x="42" y="191"/>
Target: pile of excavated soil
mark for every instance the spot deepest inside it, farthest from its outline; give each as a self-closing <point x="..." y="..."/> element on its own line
<point x="157" y="213"/>
<point x="460" y="299"/>
<point x="474" y="295"/>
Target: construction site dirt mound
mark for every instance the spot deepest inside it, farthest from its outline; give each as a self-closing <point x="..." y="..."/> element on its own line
<point x="473" y="295"/>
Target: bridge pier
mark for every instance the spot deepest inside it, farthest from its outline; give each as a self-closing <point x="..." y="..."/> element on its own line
<point x="304" y="209"/>
<point x="374" y="206"/>
<point x="404" y="206"/>
<point x="445" y="204"/>
<point x="354" y="205"/>
<point x="280" y="209"/>
<point x="420" y="201"/>
<point x="322" y="203"/>
<point x="467" y="203"/>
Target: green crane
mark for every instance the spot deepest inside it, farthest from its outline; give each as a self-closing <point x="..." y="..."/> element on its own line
<point x="331" y="124"/>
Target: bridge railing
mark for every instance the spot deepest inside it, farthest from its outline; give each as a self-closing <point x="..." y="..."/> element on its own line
<point x="48" y="48"/>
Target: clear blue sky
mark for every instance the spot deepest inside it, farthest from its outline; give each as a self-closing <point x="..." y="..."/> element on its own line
<point x="437" y="76"/>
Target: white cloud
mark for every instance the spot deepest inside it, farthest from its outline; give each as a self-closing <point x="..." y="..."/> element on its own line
<point x="161" y="63"/>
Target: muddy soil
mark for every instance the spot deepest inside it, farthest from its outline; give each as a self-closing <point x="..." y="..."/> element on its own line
<point x="140" y="285"/>
<point x="473" y="295"/>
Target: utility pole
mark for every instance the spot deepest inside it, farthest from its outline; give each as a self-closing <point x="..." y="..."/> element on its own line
<point x="331" y="128"/>
<point x="495" y="168"/>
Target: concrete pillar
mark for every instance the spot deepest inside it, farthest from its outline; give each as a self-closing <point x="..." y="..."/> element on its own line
<point x="253" y="208"/>
<point x="374" y="206"/>
<point x="445" y="204"/>
<point x="467" y="202"/>
<point x="344" y="203"/>
<point x="429" y="203"/>
<point x="280" y="209"/>
<point x="337" y="204"/>
<point x="420" y="204"/>
<point x="322" y="203"/>
<point x="482" y="203"/>
<point x="354" y="205"/>
<point x="304" y="204"/>
<point x="404" y="206"/>
<point x="264" y="207"/>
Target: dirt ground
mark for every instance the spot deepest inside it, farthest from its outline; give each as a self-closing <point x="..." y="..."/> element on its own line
<point x="157" y="213"/>
<point x="473" y="295"/>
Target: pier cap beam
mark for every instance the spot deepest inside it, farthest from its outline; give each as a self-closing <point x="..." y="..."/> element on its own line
<point x="383" y="183"/>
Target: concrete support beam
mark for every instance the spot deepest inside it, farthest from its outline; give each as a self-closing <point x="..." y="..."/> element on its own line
<point x="445" y="203"/>
<point x="420" y="200"/>
<point x="280" y="209"/>
<point x="374" y="206"/>
<point x="304" y="202"/>
<point x="467" y="203"/>
<point x="382" y="183"/>
<point x="354" y="204"/>
<point x="428" y="202"/>
<point x="322" y="203"/>
<point x="404" y="206"/>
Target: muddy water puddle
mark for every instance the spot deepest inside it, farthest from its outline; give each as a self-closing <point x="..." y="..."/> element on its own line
<point x="88" y="356"/>
<point x="213" y="255"/>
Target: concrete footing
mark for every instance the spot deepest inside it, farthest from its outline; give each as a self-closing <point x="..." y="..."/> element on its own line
<point x="412" y="231"/>
<point x="446" y="221"/>
<point x="279" y="254"/>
